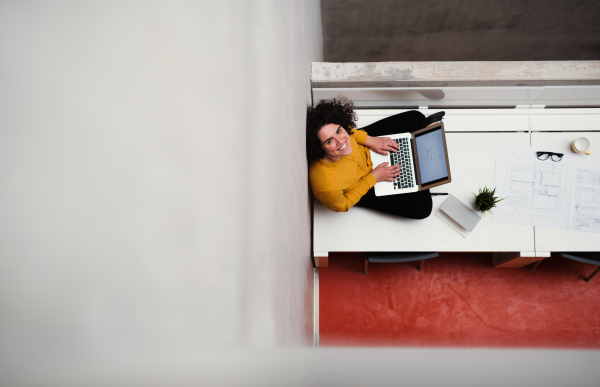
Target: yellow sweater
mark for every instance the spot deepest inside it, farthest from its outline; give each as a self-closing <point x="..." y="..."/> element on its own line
<point x="340" y="185"/>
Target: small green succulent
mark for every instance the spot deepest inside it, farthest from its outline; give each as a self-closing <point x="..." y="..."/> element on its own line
<point x="485" y="200"/>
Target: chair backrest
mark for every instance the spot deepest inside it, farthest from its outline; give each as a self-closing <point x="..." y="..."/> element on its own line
<point x="374" y="256"/>
<point x="586" y="257"/>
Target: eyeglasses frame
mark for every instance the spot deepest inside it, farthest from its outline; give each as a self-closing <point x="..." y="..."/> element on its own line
<point x="550" y="154"/>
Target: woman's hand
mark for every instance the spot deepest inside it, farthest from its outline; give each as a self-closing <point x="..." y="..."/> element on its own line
<point x="385" y="173"/>
<point x="381" y="145"/>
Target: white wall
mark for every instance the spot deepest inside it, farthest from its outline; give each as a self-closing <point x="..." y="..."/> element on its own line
<point x="153" y="190"/>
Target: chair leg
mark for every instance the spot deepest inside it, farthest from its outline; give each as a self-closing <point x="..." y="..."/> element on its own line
<point x="535" y="265"/>
<point x="366" y="266"/>
<point x="420" y="268"/>
<point x="592" y="275"/>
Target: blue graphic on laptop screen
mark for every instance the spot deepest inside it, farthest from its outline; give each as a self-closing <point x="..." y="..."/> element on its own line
<point x="432" y="158"/>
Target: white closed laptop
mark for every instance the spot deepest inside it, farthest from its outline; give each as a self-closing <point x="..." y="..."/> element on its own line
<point x="423" y="160"/>
<point x="458" y="216"/>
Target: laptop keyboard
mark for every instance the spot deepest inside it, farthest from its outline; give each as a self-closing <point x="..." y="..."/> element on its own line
<point x="404" y="158"/>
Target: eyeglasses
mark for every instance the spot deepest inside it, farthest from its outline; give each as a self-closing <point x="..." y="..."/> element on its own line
<point x="553" y="156"/>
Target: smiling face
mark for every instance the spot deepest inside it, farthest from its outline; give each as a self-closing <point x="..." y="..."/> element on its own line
<point x="335" y="142"/>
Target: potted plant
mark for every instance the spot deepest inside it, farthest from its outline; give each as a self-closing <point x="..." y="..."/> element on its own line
<point x="485" y="200"/>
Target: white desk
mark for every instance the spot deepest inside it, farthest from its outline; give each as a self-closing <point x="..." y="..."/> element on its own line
<point x="555" y="129"/>
<point x="565" y="120"/>
<point x="472" y="163"/>
<point x="551" y="239"/>
<point x="463" y="120"/>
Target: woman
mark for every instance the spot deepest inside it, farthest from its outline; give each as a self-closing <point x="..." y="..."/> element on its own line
<point x="341" y="172"/>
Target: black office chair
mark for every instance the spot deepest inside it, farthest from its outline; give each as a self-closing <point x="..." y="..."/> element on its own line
<point x="592" y="258"/>
<point x="388" y="257"/>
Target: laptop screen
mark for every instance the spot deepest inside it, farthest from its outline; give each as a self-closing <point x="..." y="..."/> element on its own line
<point x="432" y="156"/>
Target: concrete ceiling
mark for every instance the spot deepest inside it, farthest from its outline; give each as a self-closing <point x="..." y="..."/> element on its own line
<point x="459" y="30"/>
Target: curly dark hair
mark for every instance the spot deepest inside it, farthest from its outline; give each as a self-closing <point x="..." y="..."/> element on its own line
<point x="339" y="111"/>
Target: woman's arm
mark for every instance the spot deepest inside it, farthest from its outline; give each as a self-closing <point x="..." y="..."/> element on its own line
<point x="342" y="201"/>
<point x="381" y="145"/>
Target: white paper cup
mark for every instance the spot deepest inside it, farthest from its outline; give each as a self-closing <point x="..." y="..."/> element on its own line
<point x="580" y="145"/>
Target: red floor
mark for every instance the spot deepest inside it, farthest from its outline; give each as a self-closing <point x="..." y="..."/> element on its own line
<point x="458" y="300"/>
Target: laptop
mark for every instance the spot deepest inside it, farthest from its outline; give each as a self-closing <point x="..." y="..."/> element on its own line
<point x="422" y="169"/>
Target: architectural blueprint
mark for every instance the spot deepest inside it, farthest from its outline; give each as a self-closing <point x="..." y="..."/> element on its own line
<point x="585" y="208"/>
<point x="563" y="194"/>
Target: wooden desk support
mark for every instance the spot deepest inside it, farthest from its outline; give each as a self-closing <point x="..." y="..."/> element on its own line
<point x="515" y="260"/>
<point x="321" y="259"/>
